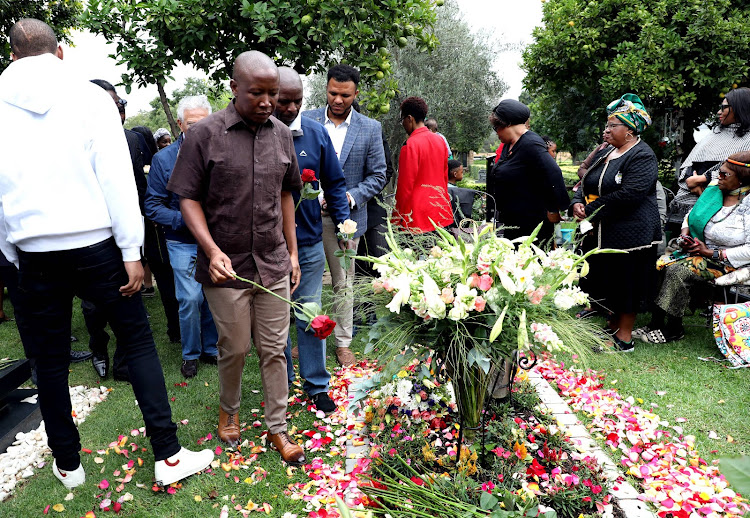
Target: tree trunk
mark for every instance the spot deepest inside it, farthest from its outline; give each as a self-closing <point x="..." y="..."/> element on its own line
<point x="165" y="104"/>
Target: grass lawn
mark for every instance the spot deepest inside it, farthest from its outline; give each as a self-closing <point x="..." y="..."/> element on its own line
<point x="709" y="396"/>
<point x="674" y="383"/>
<point x="198" y="403"/>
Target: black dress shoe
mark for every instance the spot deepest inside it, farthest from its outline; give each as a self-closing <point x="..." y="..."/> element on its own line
<point x="189" y="368"/>
<point x="208" y="359"/>
<point x="121" y="375"/>
<point x="79" y="356"/>
<point x="101" y="366"/>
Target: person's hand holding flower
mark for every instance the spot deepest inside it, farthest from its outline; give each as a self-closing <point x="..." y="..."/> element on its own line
<point x="346" y="232"/>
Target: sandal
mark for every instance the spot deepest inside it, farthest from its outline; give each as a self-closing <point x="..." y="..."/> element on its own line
<point x="642" y="331"/>
<point x="657" y="336"/>
<point x="586" y="313"/>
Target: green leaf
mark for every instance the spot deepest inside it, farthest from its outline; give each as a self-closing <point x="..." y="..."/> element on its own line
<point x="488" y="501"/>
<point x="474" y="356"/>
<point x="737" y="472"/>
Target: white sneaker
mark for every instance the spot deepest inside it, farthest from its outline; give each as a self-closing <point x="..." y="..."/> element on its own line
<point x="70" y="479"/>
<point x="181" y="465"/>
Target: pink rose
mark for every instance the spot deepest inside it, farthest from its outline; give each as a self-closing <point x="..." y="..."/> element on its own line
<point x="485" y="282"/>
<point x="479" y="303"/>
<point x="447" y="295"/>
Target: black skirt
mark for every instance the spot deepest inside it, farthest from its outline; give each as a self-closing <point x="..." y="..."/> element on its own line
<point x="622" y="283"/>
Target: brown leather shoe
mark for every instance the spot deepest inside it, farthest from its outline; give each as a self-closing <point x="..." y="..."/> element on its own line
<point x="229" y="428"/>
<point x="290" y="451"/>
<point x="345" y="356"/>
<point x="295" y="352"/>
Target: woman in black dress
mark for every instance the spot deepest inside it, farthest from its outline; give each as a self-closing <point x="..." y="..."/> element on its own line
<point x="618" y="196"/>
<point x="526" y="182"/>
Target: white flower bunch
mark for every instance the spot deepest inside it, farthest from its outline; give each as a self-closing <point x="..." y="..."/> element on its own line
<point x="566" y="298"/>
<point x="545" y="336"/>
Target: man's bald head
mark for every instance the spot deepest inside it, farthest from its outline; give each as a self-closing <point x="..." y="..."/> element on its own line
<point x="290" y="95"/>
<point x="255" y="86"/>
<point x="32" y="37"/>
<point x="252" y="60"/>
<point x="289" y="78"/>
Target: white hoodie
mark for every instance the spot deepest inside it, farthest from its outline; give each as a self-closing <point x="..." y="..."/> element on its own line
<point x="66" y="178"/>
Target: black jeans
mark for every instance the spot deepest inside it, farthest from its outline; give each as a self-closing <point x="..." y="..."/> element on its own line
<point x="155" y="245"/>
<point x="47" y="282"/>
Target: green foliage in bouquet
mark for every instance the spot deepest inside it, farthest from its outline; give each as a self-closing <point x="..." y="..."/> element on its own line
<point x="418" y="495"/>
<point x="473" y="305"/>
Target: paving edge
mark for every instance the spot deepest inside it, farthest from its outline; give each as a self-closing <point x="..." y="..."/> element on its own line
<point x="626" y="494"/>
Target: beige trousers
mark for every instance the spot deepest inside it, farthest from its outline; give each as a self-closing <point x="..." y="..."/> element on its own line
<point x="342" y="280"/>
<point x="241" y="315"/>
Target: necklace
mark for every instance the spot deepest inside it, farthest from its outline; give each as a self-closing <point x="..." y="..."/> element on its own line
<point x="741" y="193"/>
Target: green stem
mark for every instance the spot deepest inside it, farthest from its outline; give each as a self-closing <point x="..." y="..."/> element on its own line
<point x="296" y="306"/>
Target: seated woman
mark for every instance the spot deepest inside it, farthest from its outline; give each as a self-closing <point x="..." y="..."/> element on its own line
<point x="716" y="236"/>
<point x="730" y="135"/>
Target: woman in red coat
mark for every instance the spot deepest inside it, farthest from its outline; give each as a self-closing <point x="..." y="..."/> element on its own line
<point x="422" y="187"/>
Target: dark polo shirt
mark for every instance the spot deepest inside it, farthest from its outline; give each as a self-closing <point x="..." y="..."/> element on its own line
<point x="237" y="175"/>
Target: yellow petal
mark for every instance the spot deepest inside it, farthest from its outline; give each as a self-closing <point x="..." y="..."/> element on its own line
<point x="58" y="507"/>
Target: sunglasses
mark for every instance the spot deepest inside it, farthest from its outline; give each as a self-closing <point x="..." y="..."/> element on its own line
<point x="723" y="107"/>
<point x="724" y="174"/>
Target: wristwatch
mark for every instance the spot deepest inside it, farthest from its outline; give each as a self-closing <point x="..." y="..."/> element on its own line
<point x="716" y="254"/>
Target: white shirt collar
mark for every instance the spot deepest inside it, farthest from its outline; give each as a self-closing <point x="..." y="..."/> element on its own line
<point x="348" y="120"/>
<point x="296" y="126"/>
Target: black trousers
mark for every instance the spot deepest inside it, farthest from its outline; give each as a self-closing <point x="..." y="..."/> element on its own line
<point x="47" y="283"/>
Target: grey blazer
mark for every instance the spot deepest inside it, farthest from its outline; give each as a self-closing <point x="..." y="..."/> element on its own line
<point x="363" y="160"/>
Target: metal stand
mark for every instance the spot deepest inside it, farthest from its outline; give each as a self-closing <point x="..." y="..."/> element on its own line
<point x="525" y="362"/>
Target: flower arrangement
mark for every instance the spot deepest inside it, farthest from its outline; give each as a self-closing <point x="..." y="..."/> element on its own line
<point x="413" y="431"/>
<point x="476" y="305"/>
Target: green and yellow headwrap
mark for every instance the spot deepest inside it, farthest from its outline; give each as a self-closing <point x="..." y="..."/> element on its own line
<point x="630" y="110"/>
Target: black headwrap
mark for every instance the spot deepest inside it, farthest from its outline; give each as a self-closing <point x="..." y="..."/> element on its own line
<point x="512" y="112"/>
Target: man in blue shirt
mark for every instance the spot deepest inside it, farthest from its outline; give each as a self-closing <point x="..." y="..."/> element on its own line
<point x="197" y="328"/>
<point x="315" y="153"/>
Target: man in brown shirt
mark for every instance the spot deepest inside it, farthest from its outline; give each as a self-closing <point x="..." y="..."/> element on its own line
<point x="234" y="176"/>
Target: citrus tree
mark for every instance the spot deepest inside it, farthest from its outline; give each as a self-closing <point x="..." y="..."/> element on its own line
<point x="679" y="56"/>
<point x="457" y="80"/>
<point x="61" y="15"/>
<point x="153" y="37"/>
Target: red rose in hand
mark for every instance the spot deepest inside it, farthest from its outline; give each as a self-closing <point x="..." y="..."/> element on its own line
<point x="308" y="175"/>
<point x="322" y="326"/>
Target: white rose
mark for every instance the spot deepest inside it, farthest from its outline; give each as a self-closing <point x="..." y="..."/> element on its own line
<point x="458" y="312"/>
<point x="348" y="227"/>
